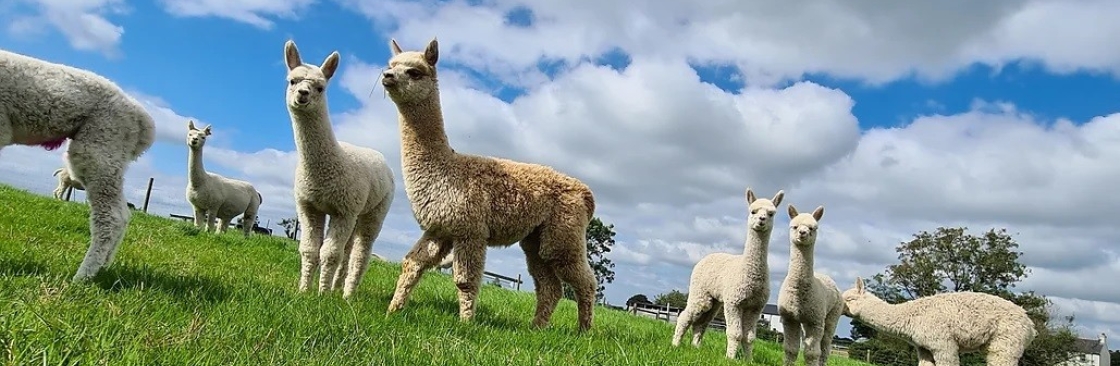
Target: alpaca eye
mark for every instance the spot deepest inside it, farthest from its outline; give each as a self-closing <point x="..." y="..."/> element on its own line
<point x="413" y="73"/>
<point x="292" y="82"/>
<point x="319" y="89"/>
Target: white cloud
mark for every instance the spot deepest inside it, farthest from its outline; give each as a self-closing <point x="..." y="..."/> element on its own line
<point x="767" y="41"/>
<point x="84" y="23"/>
<point x="253" y="12"/>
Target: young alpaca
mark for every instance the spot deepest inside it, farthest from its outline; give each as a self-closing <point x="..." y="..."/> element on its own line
<point x="943" y="325"/>
<point x="65" y="183"/>
<point x="44" y="103"/>
<point x="470" y="202"/>
<point x="214" y="196"/>
<point x="809" y="304"/>
<point x="352" y="184"/>
<point x="741" y="283"/>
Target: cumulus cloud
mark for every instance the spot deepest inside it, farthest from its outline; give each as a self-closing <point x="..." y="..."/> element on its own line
<point x="252" y="12"/>
<point x="84" y="23"/>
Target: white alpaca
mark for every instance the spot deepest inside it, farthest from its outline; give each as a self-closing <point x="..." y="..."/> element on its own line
<point x="44" y="104"/>
<point x="809" y="303"/>
<point x="214" y="196"/>
<point x="741" y="283"/>
<point x="352" y="184"/>
<point x="66" y="183"/>
<point x="943" y="325"/>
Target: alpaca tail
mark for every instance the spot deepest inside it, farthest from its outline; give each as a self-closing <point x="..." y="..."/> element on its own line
<point x="56" y="171"/>
<point x="260" y="199"/>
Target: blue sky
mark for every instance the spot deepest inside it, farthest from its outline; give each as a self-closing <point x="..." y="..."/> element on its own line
<point x="224" y="70"/>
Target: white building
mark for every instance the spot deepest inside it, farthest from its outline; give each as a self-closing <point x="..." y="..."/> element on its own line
<point x="1090" y="352"/>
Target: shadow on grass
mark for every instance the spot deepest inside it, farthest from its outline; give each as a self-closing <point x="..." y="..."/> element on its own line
<point x="183" y="286"/>
<point x="22" y="267"/>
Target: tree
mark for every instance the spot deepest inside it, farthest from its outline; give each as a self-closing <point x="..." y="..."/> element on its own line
<point x="289" y="225"/>
<point x="673" y="298"/>
<point x="1114" y="357"/>
<point x="951" y="260"/>
<point x="600" y="239"/>
<point x="638" y="299"/>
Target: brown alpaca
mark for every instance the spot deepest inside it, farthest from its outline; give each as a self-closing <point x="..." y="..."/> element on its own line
<point x="468" y="202"/>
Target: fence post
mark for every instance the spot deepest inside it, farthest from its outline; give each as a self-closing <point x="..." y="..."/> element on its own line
<point x="518" y="285"/>
<point x="148" y="195"/>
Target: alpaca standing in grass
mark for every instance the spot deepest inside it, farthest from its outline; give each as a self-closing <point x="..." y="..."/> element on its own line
<point x="214" y="196"/>
<point x="65" y="183"/>
<point x="468" y="202"/>
<point x="44" y="104"/>
<point x="943" y="325"/>
<point x="740" y="283"/>
<point x="809" y="303"/>
<point x="352" y="184"/>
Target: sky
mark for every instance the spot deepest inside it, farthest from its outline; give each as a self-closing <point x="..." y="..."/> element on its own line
<point x="897" y="118"/>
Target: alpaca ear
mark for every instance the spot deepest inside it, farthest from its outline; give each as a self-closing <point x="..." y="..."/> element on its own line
<point x="431" y="54"/>
<point x="190" y="125"/>
<point x="792" y="211"/>
<point x="330" y="65"/>
<point x="859" y="285"/>
<point x="206" y="130"/>
<point x="291" y="55"/>
<point x="778" y="197"/>
<point x="750" y="196"/>
<point x="818" y="213"/>
<point x="394" y="47"/>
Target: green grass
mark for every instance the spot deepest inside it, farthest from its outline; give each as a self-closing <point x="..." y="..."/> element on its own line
<point x="175" y="296"/>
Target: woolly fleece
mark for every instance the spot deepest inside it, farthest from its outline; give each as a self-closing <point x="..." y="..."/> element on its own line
<point x="214" y="196"/>
<point x="468" y="202"/>
<point x="809" y="303"/>
<point x="351" y="184"/>
<point x="45" y="103"/>
<point x="740" y="283"/>
<point x="943" y="325"/>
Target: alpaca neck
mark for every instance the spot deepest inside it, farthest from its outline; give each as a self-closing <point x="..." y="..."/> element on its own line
<point x="196" y="172"/>
<point x="755" y="249"/>
<point x="422" y="133"/>
<point x="800" y="266"/>
<point x="315" y="142"/>
<point x="882" y="315"/>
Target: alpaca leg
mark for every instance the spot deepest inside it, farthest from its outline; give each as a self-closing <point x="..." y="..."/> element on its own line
<point x="424" y="254"/>
<point x="103" y="173"/>
<point x="925" y="358"/>
<point x="750" y="322"/>
<point x="330" y="254"/>
<point x="248" y="222"/>
<point x="812" y="344"/>
<point x="359" y="253"/>
<point x="791" y="343"/>
<point x="700" y="326"/>
<point x="223" y="224"/>
<point x="548" y="286"/>
<point x="945" y="354"/>
<point x="210" y="217"/>
<point x="344" y="261"/>
<point x="199" y="217"/>
<point x="734" y="316"/>
<point x="564" y="248"/>
<point x="1001" y="358"/>
<point x="470" y="261"/>
<point x="693" y="309"/>
<point x="826" y="338"/>
<point x="311" y="239"/>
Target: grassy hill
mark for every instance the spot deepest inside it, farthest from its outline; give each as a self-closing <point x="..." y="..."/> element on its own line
<point x="175" y="296"/>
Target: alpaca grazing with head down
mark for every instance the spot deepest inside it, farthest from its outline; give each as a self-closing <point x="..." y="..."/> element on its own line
<point x="44" y="104"/>
<point x="469" y="202"/>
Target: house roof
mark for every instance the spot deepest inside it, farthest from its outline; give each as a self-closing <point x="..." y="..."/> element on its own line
<point x="770" y="309"/>
<point x="1092" y="346"/>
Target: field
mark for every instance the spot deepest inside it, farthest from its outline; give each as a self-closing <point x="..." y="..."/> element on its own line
<point x="175" y="296"/>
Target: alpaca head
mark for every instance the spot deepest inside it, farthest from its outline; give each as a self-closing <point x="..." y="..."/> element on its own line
<point x="856" y="298"/>
<point x="411" y="76"/>
<point x="803" y="226"/>
<point x="762" y="210"/>
<point x="307" y="84"/>
<point x="196" y="138"/>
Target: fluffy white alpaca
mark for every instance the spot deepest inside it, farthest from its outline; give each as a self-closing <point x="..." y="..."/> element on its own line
<point x="66" y="183"/>
<point x="809" y="303"/>
<point x="741" y="283"/>
<point x="352" y="184"/>
<point x="943" y="325"/>
<point x="214" y="196"/>
<point x="44" y="104"/>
